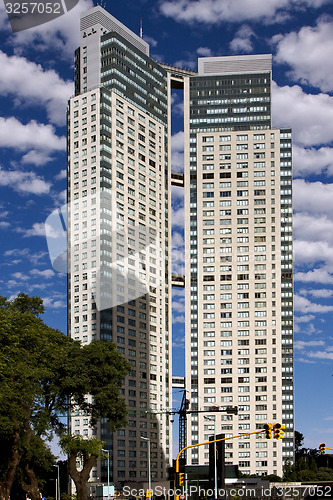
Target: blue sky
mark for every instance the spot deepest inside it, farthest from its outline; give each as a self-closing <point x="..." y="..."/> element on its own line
<point x="36" y="79"/>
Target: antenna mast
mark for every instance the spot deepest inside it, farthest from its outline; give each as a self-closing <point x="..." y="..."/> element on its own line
<point x="140" y="27"/>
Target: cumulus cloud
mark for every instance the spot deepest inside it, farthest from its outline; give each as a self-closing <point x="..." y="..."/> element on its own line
<point x="47" y="273"/>
<point x="39" y="87"/>
<point x="320" y="293"/>
<point x="301" y="345"/>
<point x="313" y="197"/>
<point x="33" y="135"/>
<point x="313" y="252"/>
<point x="41" y="229"/>
<point x="320" y="354"/>
<point x="61" y="34"/>
<point x="37" y="158"/>
<point x="242" y="43"/>
<point x="309" y="53"/>
<point x="312" y="161"/>
<point x="309" y="115"/>
<point x="204" y="52"/>
<point x="177" y="152"/>
<point x="319" y="275"/>
<point x="24" y="182"/>
<point x="304" y="305"/>
<point x="216" y="11"/>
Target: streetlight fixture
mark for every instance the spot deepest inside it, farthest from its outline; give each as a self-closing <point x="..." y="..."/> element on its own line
<point x="58" y="484"/>
<point x="108" y="452"/>
<point x="212" y="419"/>
<point x="149" y="473"/>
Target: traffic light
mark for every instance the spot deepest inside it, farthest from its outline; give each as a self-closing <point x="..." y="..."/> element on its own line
<point x="179" y="479"/>
<point x="278" y="431"/>
<point x="322" y="447"/>
<point x="268" y="428"/>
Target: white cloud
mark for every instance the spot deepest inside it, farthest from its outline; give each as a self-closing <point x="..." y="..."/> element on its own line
<point x="178" y="217"/>
<point x="178" y="319"/>
<point x="47" y="273"/>
<point x="315" y="198"/>
<point x="54" y="304"/>
<point x="190" y="63"/>
<point x="304" y="305"/>
<point x="309" y="53"/>
<point x="38" y="87"/>
<point x="304" y="319"/>
<point x="309" y="115"/>
<point x="177" y="152"/>
<point x="61" y="34"/>
<point x="308" y="161"/>
<point x="216" y="11"/>
<point x="41" y="229"/>
<point x="311" y="252"/>
<point x="320" y="354"/>
<point x="33" y="135"/>
<point x="319" y="275"/>
<point x="20" y="276"/>
<point x="242" y="43"/>
<point x="24" y="182"/>
<point x="61" y="175"/>
<point x="4" y="224"/>
<point x="204" y="52"/>
<point x="149" y="39"/>
<point x="37" y="158"/>
<point x="301" y="345"/>
<point x="324" y="293"/>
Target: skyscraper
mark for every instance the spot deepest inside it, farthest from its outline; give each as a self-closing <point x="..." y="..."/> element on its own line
<point x="238" y="223"/>
<point x="119" y="285"/>
<point x="238" y="246"/>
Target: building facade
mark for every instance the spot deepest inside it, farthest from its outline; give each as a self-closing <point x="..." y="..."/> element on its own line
<point x="238" y="247"/>
<point x="238" y="244"/>
<point x="119" y="285"/>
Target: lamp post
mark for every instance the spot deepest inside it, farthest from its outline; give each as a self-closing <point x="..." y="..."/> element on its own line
<point x="215" y="461"/>
<point x="149" y="474"/>
<point x="108" y="452"/>
<point x="57" y="484"/>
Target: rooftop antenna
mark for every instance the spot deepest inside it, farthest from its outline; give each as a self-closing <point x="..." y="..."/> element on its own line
<point x="140" y="27"/>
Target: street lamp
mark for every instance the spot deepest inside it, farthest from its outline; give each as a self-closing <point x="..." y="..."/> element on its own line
<point x="212" y="419"/>
<point x="149" y="474"/>
<point x="108" y="452"/>
<point x="58" y="484"/>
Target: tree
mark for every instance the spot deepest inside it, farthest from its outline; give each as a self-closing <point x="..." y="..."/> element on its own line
<point x="44" y="374"/>
<point x="86" y="451"/>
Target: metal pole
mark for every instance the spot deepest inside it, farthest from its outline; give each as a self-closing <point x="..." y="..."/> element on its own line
<point x="215" y="458"/>
<point x="58" y="484"/>
<point x="149" y="473"/>
<point x="215" y="463"/>
<point x="108" y="452"/>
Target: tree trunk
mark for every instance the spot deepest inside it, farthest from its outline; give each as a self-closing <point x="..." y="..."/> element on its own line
<point x="31" y="488"/>
<point x="15" y="457"/>
<point x="80" y="478"/>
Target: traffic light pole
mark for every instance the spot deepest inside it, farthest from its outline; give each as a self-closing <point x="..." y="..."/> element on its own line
<point x="210" y="442"/>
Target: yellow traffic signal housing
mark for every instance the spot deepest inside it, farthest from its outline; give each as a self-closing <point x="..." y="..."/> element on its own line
<point x="181" y="478"/>
<point x="268" y="428"/>
<point x="322" y="447"/>
<point x="278" y="431"/>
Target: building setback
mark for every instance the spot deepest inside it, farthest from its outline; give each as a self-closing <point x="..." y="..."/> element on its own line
<point x="238" y="247"/>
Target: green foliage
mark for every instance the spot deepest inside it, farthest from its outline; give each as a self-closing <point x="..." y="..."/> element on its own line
<point x="43" y="375"/>
<point x="81" y="447"/>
